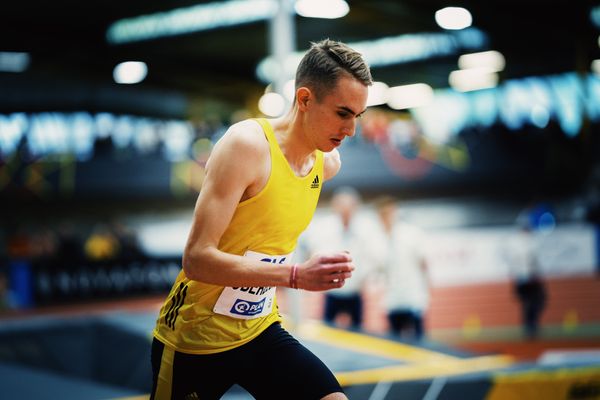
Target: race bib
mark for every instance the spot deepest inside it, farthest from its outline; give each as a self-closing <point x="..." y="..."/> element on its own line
<point x="249" y="302"/>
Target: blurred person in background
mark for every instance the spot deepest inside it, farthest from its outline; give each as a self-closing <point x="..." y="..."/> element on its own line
<point x="19" y="244"/>
<point x="70" y="250"/>
<point x="220" y="324"/>
<point x="521" y="253"/>
<point x="344" y="229"/>
<point x="101" y="244"/>
<point x="405" y="270"/>
<point x="28" y="246"/>
<point x="4" y="303"/>
<point x="3" y="270"/>
<point x="44" y="244"/>
<point x="127" y="238"/>
<point x="4" y="295"/>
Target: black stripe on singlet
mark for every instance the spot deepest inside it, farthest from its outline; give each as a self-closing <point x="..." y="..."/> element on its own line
<point x="173" y="301"/>
<point x="176" y="304"/>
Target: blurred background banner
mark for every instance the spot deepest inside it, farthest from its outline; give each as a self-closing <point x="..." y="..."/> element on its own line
<point x="479" y="255"/>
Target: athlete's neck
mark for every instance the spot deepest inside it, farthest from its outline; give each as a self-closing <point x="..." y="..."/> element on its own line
<point x="294" y="146"/>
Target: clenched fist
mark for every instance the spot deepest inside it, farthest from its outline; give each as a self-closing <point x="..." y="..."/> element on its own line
<point x="324" y="271"/>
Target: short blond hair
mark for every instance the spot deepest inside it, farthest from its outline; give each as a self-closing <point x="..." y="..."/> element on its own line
<point x="325" y="62"/>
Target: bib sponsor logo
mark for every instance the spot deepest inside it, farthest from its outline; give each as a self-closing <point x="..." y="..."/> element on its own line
<point x="247" y="308"/>
<point x="250" y="302"/>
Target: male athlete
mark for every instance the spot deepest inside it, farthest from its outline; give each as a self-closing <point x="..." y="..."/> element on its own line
<point x="220" y="323"/>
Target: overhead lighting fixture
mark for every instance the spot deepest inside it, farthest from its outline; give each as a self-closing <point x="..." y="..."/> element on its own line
<point x="190" y="19"/>
<point x="491" y="60"/>
<point x="409" y="96"/>
<point x="130" y="72"/>
<point x="271" y="104"/>
<point x="453" y="18"/>
<point x="289" y="90"/>
<point x="595" y="16"/>
<point x="11" y="61"/>
<point x="378" y="94"/>
<point x="540" y="116"/>
<point x="466" y="80"/>
<point x="329" y="9"/>
<point x="390" y="50"/>
<point x="595" y="67"/>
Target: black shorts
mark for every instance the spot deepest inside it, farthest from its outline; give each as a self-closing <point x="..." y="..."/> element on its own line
<point x="272" y="366"/>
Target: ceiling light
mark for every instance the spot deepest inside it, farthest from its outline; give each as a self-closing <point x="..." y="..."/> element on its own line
<point x="271" y="104"/>
<point x="453" y="18"/>
<point x="378" y="94"/>
<point x="409" y="96"/>
<point x="595" y="67"/>
<point x="329" y="9"/>
<point x="289" y="90"/>
<point x="491" y="60"/>
<point x="540" y="116"/>
<point x="190" y="19"/>
<point x="466" y="80"/>
<point x="595" y="15"/>
<point x="130" y="72"/>
<point x="11" y="61"/>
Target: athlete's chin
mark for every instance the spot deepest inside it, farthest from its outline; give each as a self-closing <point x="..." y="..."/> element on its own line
<point x="328" y="149"/>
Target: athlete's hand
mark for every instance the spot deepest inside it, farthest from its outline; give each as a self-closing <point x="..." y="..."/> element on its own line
<point x="325" y="271"/>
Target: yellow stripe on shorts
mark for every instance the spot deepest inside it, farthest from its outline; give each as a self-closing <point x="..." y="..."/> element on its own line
<point x="165" y="375"/>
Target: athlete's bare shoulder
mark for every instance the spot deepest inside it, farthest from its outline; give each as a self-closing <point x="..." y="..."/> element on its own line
<point x="242" y="156"/>
<point x="332" y="163"/>
<point x="245" y="140"/>
<point x="247" y="133"/>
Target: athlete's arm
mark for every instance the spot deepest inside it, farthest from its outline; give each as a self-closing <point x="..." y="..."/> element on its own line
<point x="237" y="169"/>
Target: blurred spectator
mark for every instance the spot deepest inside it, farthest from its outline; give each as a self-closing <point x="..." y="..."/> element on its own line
<point x="70" y="245"/>
<point x="44" y="245"/>
<point x="22" y="248"/>
<point x="102" y="244"/>
<point x="592" y="196"/>
<point x="128" y="243"/>
<point x="19" y="244"/>
<point x="523" y="261"/>
<point x="375" y="126"/>
<point x="405" y="271"/>
<point x="4" y="303"/>
<point x="343" y="229"/>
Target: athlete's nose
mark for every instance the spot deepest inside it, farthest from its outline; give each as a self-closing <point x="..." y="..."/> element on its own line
<point x="349" y="129"/>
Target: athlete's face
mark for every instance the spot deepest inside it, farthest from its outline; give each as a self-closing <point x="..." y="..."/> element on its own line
<point x="333" y="117"/>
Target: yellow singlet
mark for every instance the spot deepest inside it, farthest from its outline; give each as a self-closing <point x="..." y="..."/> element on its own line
<point x="267" y="224"/>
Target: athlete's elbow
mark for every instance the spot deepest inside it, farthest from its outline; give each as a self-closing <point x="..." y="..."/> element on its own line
<point x="191" y="263"/>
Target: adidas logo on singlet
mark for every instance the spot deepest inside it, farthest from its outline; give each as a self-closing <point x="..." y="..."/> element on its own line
<point x="315" y="183"/>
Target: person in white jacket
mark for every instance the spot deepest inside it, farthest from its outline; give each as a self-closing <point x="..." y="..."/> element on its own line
<point x="345" y="227"/>
<point x="403" y="263"/>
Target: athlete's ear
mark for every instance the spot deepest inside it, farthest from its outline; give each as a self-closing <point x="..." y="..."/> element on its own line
<point x="303" y="97"/>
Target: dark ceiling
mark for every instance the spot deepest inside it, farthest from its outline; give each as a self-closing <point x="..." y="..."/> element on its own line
<point x="71" y="59"/>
